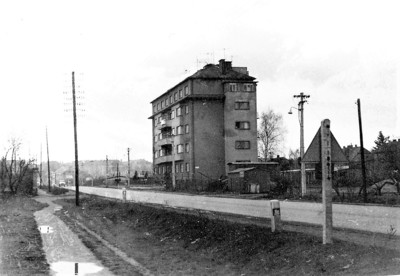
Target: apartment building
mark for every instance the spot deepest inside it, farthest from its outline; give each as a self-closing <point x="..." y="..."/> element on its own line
<point x="204" y="122"/>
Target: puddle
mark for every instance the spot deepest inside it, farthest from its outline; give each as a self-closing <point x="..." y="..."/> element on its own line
<point x="44" y="229"/>
<point x="65" y="252"/>
<point x="71" y="268"/>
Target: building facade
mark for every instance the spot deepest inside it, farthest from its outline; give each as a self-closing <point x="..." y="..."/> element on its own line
<point x="205" y="122"/>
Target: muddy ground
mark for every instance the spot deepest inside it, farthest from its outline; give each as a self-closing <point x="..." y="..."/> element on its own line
<point x="21" y="250"/>
<point x="175" y="243"/>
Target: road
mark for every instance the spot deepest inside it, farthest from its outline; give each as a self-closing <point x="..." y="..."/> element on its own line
<point x="369" y="218"/>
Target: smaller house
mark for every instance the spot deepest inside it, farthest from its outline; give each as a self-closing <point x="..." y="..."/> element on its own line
<point x="251" y="177"/>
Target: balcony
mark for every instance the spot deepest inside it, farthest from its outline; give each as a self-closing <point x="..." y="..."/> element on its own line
<point x="166" y="139"/>
<point x="168" y="158"/>
<point x="164" y="124"/>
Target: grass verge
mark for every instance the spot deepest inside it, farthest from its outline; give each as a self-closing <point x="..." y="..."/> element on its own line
<point x="21" y="250"/>
<point x="173" y="243"/>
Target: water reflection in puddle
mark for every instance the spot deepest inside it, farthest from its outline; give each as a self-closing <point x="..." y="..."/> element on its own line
<point x="72" y="268"/>
<point x="45" y="229"/>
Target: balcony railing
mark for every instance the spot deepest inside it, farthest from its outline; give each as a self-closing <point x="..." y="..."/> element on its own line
<point x="168" y="158"/>
<point x="164" y="124"/>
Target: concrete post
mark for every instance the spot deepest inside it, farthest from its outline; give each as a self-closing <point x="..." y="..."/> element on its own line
<point x="124" y="194"/>
<point x="275" y="215"/>
<point x="326" y="160"/>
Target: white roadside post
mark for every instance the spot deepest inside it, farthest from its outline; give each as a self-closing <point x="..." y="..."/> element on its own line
<point x="326" y="161"/>
<point x="275" y="215"/>
<point x="124" y="194"/>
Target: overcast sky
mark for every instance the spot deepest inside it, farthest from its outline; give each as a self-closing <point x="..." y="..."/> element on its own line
<point x="126" y="53"/>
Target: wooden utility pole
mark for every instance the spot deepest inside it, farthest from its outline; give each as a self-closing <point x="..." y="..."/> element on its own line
<point x="106" y="170"/>
<point x="302" y="97"/>
<point x="362" y="152"/>
<point x="40" y="167"/>
<point x="48" y="160"/>
<point x="129" y="169"/>
<point x="76" y="143"/>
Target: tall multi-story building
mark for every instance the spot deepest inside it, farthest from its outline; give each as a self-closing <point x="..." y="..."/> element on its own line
<point x="205" y="122"/>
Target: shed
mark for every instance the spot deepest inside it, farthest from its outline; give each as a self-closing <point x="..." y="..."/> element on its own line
<point x="251" y="177"/>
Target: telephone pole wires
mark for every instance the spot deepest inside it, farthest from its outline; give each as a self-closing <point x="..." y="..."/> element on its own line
<point x="362" y="152"/>
<point x="303" y="100"/>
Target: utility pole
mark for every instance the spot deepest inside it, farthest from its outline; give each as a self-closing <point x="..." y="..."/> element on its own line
<point x="76" y="143"/>
<point x="362" y="152"/>
<point x="129" y="169"/>
<point x="303" y="165"/>
<point x="106" y="170"/>
<point x="48" y="160"/>
<point x="40" y="167"/>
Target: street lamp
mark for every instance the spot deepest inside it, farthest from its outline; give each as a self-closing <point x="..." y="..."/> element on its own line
<point x="173" y="163"/>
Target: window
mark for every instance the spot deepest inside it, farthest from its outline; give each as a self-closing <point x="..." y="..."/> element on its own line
<point x="248" y="87"/>
<point x="162" y="104"/>
<point x="159" y="136"/>
<point x="159" y="119"/>
<point x="176" y="168"/>
<point x="187" y="167"/>
<point x="242" y="125"/>
<point x="154" y="108"/>
<point x="186" y="90"/>
<point x="242" y="144"/>
<point x="166" y="102"/>
<point x="232" y="87"/>
<point x="173" y="131"/>
<point x="179" y="111"/>
<point x="156" y="154"/>
<point x="182" y="168"/>
<point x="179" y="148"/>
<point x="242" y="105"/>
<point x="179" y="130"/>
<point x="170" y="99"/>
<point x="158" y="106"/>
<point x="186" y="109"/>
<point x="186" y="129"/>
<point x="161" y="153"/>
<point x="176" y="96"/>
<point x="187" y="147"/>
<point x="180" y="93"/>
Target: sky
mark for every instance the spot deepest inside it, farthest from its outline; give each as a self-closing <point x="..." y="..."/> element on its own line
<point x="126" y="53"/>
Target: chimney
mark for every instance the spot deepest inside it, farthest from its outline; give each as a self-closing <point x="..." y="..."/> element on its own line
<point x="228" y="65"/>
<point x="225" y="66"/>
<point x="222" y="66"/>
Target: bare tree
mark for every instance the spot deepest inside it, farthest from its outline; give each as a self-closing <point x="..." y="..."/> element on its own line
<point x="271" y="134"/>
<point x="13" y="170"/>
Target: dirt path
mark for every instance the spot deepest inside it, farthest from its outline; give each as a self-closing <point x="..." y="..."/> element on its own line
<point x="65" y="252"/>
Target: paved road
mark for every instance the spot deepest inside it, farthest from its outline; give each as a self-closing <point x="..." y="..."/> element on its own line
<point x="358" y="217"/>
<point x="65" y="252"/>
